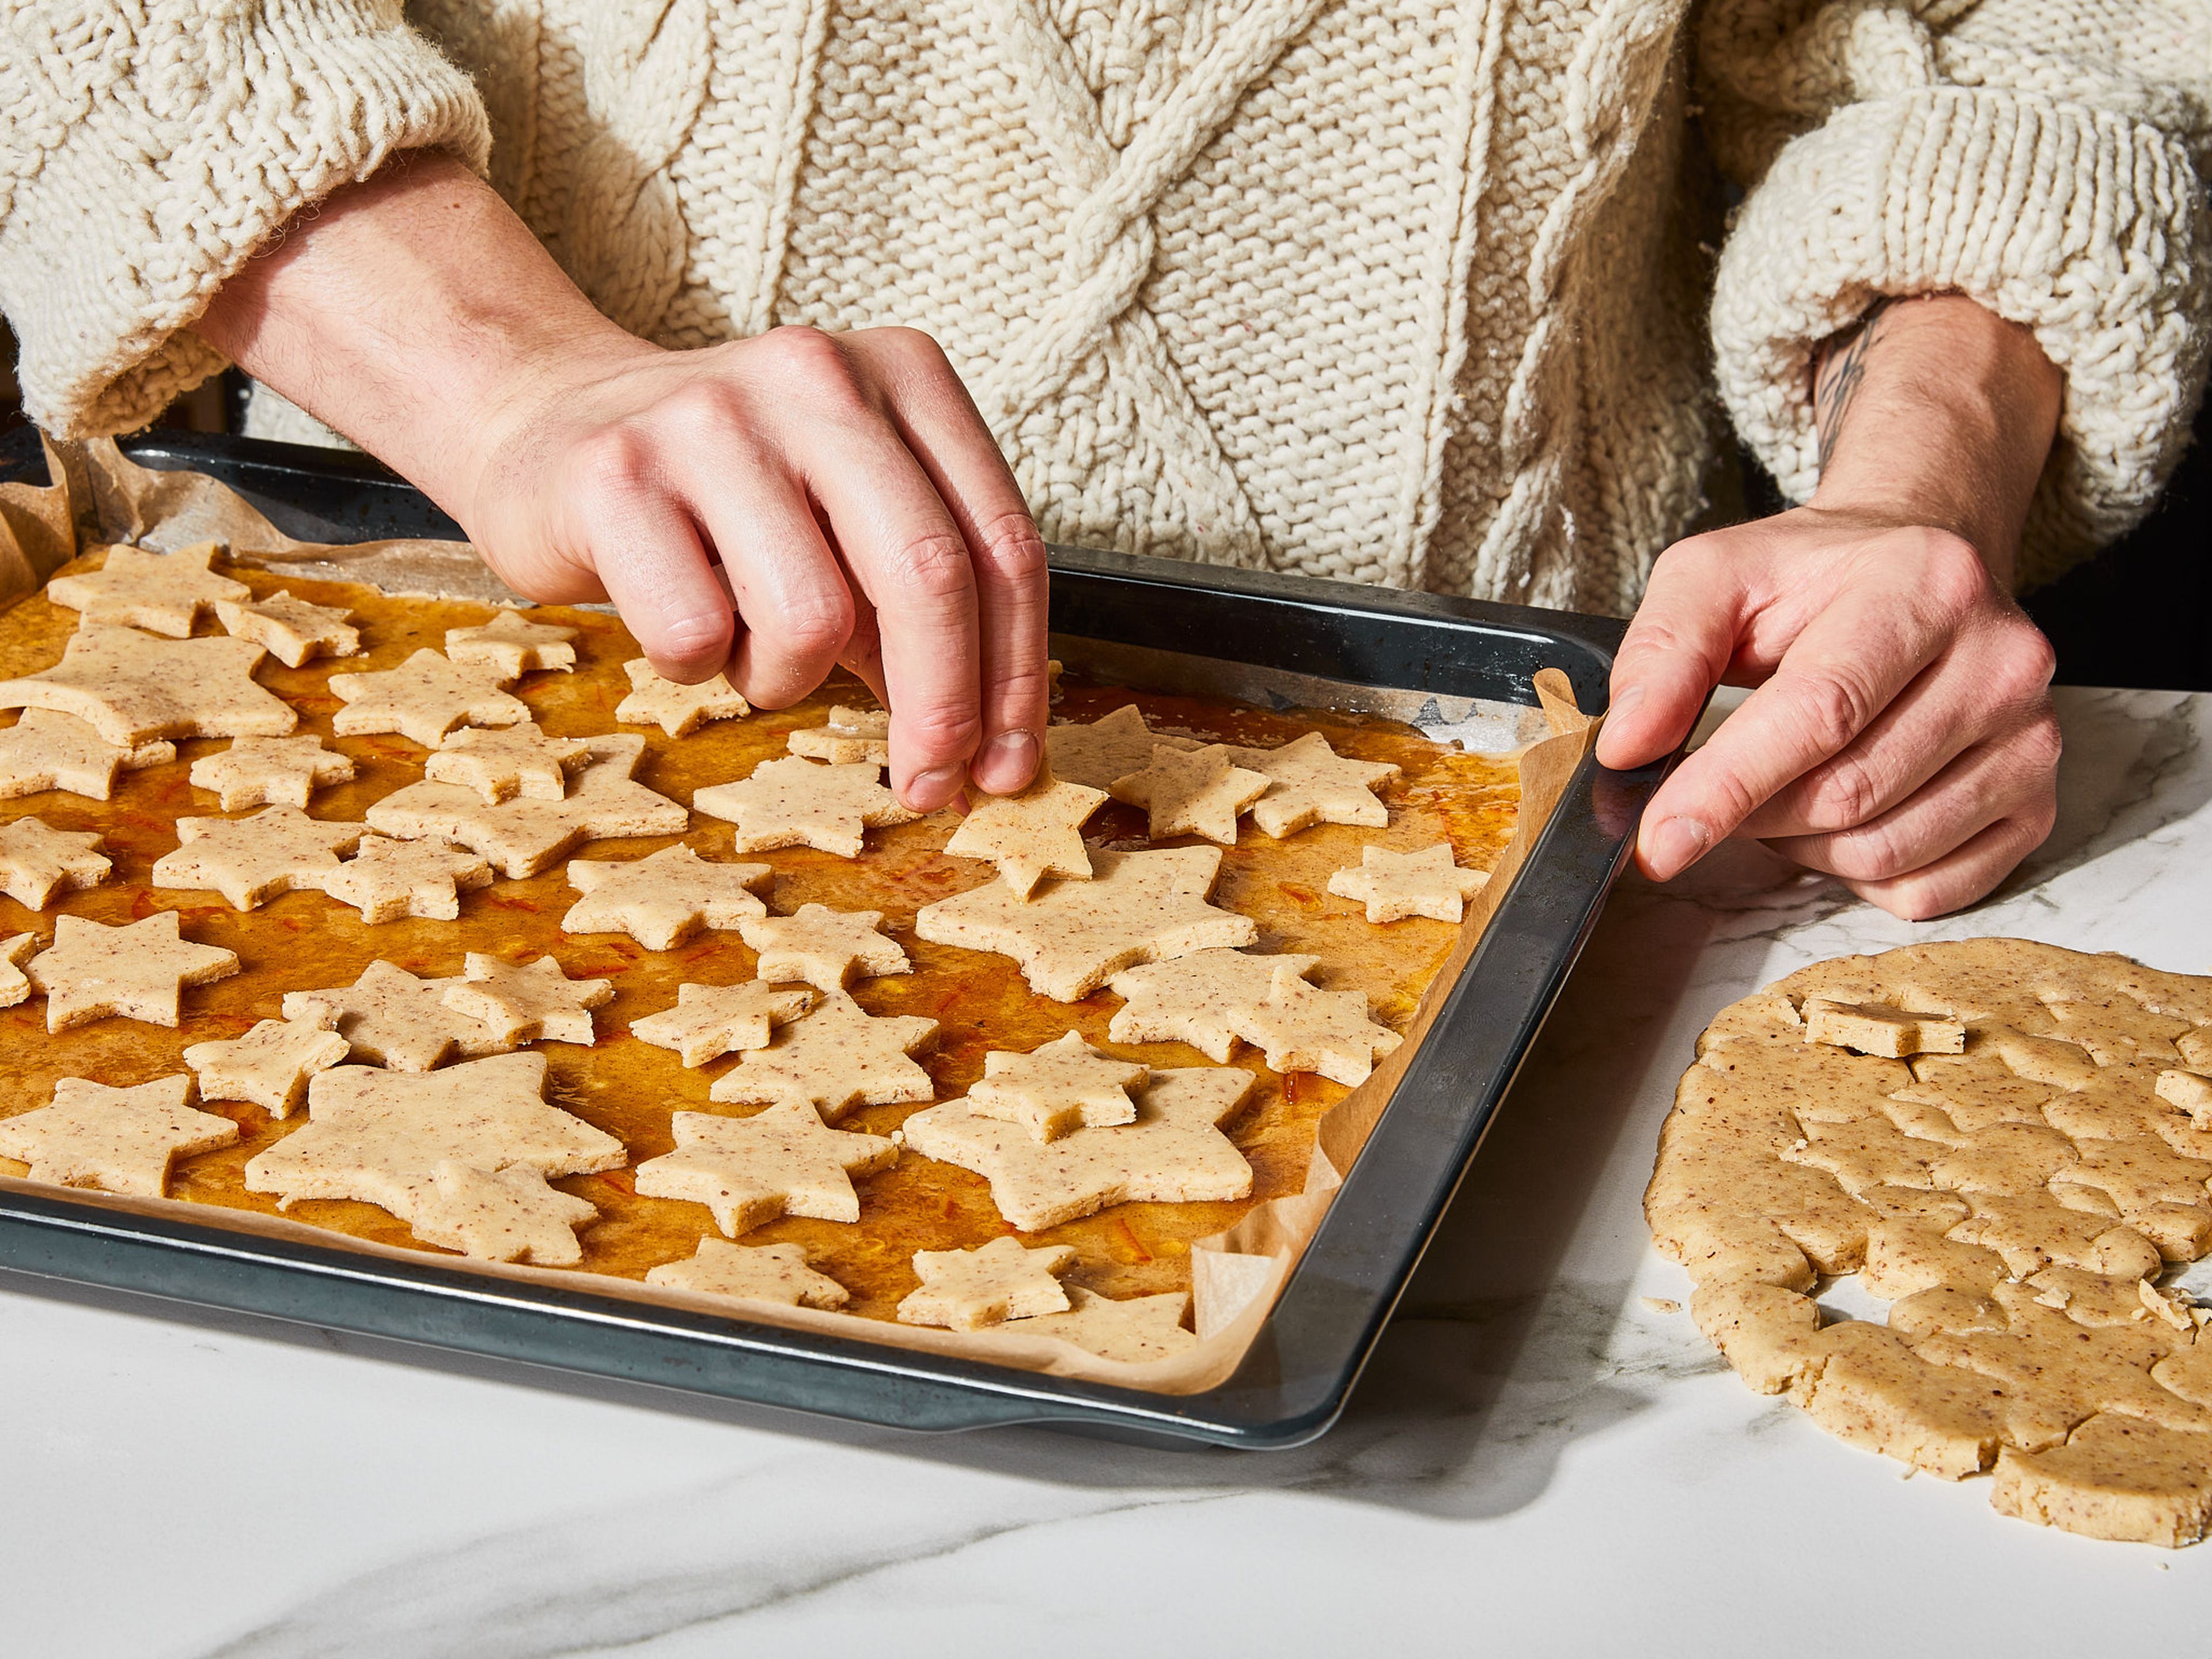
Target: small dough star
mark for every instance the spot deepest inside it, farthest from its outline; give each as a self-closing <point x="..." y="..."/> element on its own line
<point x="1396" y="886"/>
<point x="15" y="983"/>
<point x="423" y="699"/>
<point x="663" y="899"/>
<point x="133" y="687"/>
<point x="501" y="1215"/>
<point x="795" y="802"/>
<point x="1310" y="783"/>
<point x="291" y="630"/>
<point x="710" y="1021"/>
<point x="852" y="736"/>
<point x="838" y="1057"/>
<point x="1304" y="1030"/>
<point x="270" y="771"/>
<point x="160" y="593"/>
<point x="395" y="1020"/>
<point x="1064" y="1085"/>
<point x="1189" y="999"/>
<point x="825" y="948"/>
<point x="511" y="646"/>
<point x="1095" y="755"/>
<point x="1135" y="1331"/>
<point x="968" y="1290"/>
<point x="756" y="1272"/>
<point x="750" y="1170"/>
<point x="388" y="879"/>
<point x="522" y="760"/>
<point x="270" y="1065"/>
<point x="1030" y="835"/>
<point x="48" y="750"/>
<point x="535" y="1000"/>
<point x="679" y="710"/>
<point x="1196" y="791"/>
<point x="135" y="971"/>
<point x="37" y="861"/>
<point x="250" y="860"/>
<point x="117" y="1140"/>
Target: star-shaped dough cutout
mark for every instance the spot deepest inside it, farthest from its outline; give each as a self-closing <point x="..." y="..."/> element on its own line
<point x="1174" y="1153"/>
<point x="534" y="1000"/>
<point x="836" y="1058"/>
<point x="1396" y="886"/>
<point x="1304" y="1030"/>
<point x="290" y="630"/>
<point x="387" y="880"/>
<point x="501" y="1215"/>
<point x="968" y="1290"/>
<point x="38" y="861"/>
<point x="663" y="899"/>
<point x="521" y="760"/>
<point x="394" y="1019"/>
<point x="756" y="1272"/>
<point x="133" y="687"/>
<point x="795" y="802"/>
<point x="160" y="593"/>
<point x="825" y="948"/>
<point x="750" y="1170"/>
<point x="270" y="771"/>
<point x="1137" y="1331"/>
<point x="135" y="971"/>
<point x="511" y="646"/>
<point x="679" y="710"/>
<point x="1030" y="836"/>
<point x="1192" y="791"/>
<point x="852" y="737"/>
<point x="250" y="860"/>
<point x="1310" y="783"/>
<point x="270" y="1065"/>
<point x="710" y="1021"/>
<point x="1066" y="1085"/>
<point x="423" y="699"/>
<point x="15" y="984"/>
<point x="46" y="750"/>
<point x="1096" y="754"/>
<point x="117" y="1141"/>
<point x="1190" y="999"/>
<point x="1072" y="936"/>
<point x="522" y="836"/>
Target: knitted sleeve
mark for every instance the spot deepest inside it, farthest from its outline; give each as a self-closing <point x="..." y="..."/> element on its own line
<point x="148" y="147"/>
<point x="2045" y="157"/>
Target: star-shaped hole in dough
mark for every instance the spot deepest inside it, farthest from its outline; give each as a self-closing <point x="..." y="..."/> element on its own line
<point x="423" y="699"/>
<point x="270" y="771"/>
<point x="751" y="1170"/>
<point x="710" y="1021"/>
<point x="1192" y="791"/>
<point x="521" y="760"/>
<point x="852" y="736"/>
<point x="1072" y="936"/>
<point x="1174" y="1153"/>
<point x="160" y="593"/>
<point x="15" y="983"/>
<point x="1096" y="754"/>
<point x="46" y="750"/>
<point x="387" y="880"/>
<point x="535" y="1000"/>
<point x="135" y="971"/>
<point x="1065" y="1086"/>
<point x="795" y="802"/>
<point x="511" y="646"/>
<point x="270" y="1065"/>
<point x="1190" y="999"/>
<point x="835" y="1059"/>
<point x="522" y="836"/>
<point x="1135" y="1331"/>
<point x="1030" y="836"/>
<point x="133" y="687"/>
<point x="1301" y="1029"/>
<point x="38" y="861"/>
<point x="501" y="1215"/>
<point x="663" y="899"/>
<point x="290" y="630"/>
<point x="1396" y="886"/>
<point x="679" y="710"/>
<point x="394" y="1019"/>
<point x="1310" y="783"/>
<point x="777" y="1273"/>
<point x="1003" y="1279"/>
<point x="825" y="948"/>
<point x="117" y="1141"/>
<point x="250" y="860"/>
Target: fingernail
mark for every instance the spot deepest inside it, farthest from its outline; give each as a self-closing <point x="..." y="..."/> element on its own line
<point x="927" y="791"/>
<point x="1676" y="845"/>
<point x="1626" y="701"/>
<point x="1009" y="757"/>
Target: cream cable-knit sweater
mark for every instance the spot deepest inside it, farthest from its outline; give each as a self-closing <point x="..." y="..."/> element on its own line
<point x="1404" y="291"/>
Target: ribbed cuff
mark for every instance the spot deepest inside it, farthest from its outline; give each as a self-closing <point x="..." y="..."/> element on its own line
<point x="2085" y="227"/>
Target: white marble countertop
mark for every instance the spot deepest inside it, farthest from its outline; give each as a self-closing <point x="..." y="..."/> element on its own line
<point x="1536" y="1462"/>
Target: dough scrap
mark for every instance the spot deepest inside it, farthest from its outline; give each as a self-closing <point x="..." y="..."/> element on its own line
<point x="663" y="899"/>
<point x="270" y="1065"/>
<point x="1876" y="1028"/>
<point x="38" y="861"/>
<point x="15" y="983"/>
<point x="751" y="1273"/>
<point x="1310" y="783"/>
<point x="1030" y="836"/>
<point x="423" y="699"/>
<point x="160" y="593"/>
<point x="1072" y="936"/>
<point x="710" y="1021"/>
<point x="679" y="710"/>
<point x="280" y="850"/>
<point x="795" y="802"/>
<point x="1063" y="1085"/>
<point x="1003" y="1279"/>
<point x="290" y="630"/>
<point x="833" y="1059"/>
<point x="825" y="948"/>
<point x="520" y="760"/>
<point x="387" y="879"/>
<point x="45" y="749"/>
<point x="511" y="646"/>
<point x="853" y="736"/>
<point x="750" y="1170"/>
<point x="1136" y="1331"/>
<point x="137" y="970"/>
<point x="2191" y="1091"/>
<point x="1192" y="791"/>
<point x="133" y="687"/>
<point x="501" y="1215"/>
<point x="1396" y="886"/>
<point x="1190" y="999"/>
<point x="1096" y="754"/>
<point x="535" y="1000"/>
<point x="392" y="1018"/>
<point x="270" y="771"/>
<point x="115" y="1140"/>
<point x="1304" y="1030"/>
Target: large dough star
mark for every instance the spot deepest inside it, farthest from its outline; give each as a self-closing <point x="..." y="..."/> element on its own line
<point x="795" y="802"/>
<point x="663" y="899"/>
<point x="160" y="593"/>
<point x="137" y="970"/>
<point x="250" y="860"/>
<point x="748" y="1170"/>
<point x="119" y="1141"/>
<point x="423" y="699"/>
<point x="838" y="1057"/>
<point x="133" y="687"/>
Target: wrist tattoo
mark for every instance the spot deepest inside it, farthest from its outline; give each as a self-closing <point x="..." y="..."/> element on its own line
<point x="1838" y="374"/>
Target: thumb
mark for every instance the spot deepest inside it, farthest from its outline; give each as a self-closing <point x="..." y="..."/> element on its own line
<point x="1677" y="648"/>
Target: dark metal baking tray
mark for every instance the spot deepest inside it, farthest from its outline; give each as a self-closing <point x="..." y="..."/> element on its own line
<point x="1298" y="1372"/>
